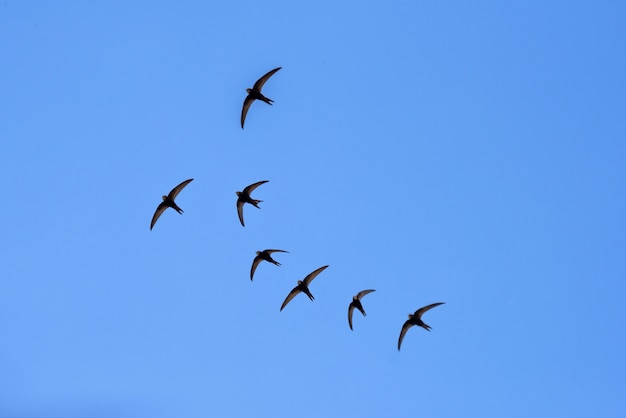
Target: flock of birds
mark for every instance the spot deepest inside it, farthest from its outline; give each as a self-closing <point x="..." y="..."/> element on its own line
<point x="244" y="197"/>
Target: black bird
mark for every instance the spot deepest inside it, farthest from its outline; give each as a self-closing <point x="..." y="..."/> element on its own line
<point x="303" y="286"/>
<point x="416" y="319"/>
<point x="168" y="202"/>
<point x="356" y="303"/>
<point x="264" y="255"/>
<point x="255" y="94"/>
<point x="244" y="197"/>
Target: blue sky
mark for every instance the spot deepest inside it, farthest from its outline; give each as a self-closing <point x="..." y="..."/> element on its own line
<point x="471" y="154"/>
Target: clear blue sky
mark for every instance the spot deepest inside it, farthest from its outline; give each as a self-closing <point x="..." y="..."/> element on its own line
<point x="463" y="152"/>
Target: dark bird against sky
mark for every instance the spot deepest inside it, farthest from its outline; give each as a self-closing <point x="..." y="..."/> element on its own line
<point x="244" y="197"/>
<point x="255" y="94"/>
<point x="416" y="319"/>
<point x="264" y="255"/>
<point x="356" y="303"/>
<point x="168" y="202"/>
<point x="303" y="286"/>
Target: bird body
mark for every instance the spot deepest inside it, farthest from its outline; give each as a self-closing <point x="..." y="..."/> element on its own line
<point x="416" y="319"/>
<point x="168" y="202"/>
<point x="244" y="197"/>
<point x="257" y="95"/>
<point x="254" y="93"/>
<point x="356" y="303"/>
<point x="171" y="204"/>
<point x="265" y="255"/>
<point x="303" y="287"/>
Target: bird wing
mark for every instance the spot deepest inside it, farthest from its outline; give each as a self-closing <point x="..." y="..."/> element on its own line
<point x="276" y="251"/>
<point x="240" y="210"/>
<point x="178" y="188"/>
<point x="290" y="296"/>
<point x="363" y="293"/>
<point x="159" y="210"/>
<point x="350" y="310"/>
<point x="261" y="81"/>
<point x="255" y="263"/>
<point x="308" y="279"/>
<point x="421" y="311"/>
<point x="405" y="328"/>
<point x="249" y="189"/>
<point x="244" y="110"/>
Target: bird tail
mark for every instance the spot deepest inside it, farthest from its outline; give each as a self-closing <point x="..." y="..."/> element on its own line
<point x="256" y="202"/>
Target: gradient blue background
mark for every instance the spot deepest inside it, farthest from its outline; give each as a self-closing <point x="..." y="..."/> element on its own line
<point x="465" y="152"/>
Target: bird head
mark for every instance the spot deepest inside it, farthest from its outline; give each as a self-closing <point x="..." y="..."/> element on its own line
<point x="238" y="193"/>
<point x="248" y="91"/>
<point x="164" y="198"/>
<point x="299" y="282"/>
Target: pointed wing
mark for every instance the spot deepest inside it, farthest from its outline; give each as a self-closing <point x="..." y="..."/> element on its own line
<point x="240" y="210"/>
<point x="276" y="251"/>
<point x="261" y="81"/>
<point x="159" y="210"/>
<point x="405" y="328"/>
<point x="255" y="263"/>
<point x="178" y="188"/>
<point x="244" y="110"/>
<point x="294" y="292"/>
<point x="251" y="187"/>
<point x="363" y="293"/>
<point x="421" y="311"/>
<point x="350" y="310"/>
<point x="308" y="279"/>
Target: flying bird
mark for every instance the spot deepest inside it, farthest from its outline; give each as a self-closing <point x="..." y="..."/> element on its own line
<point x="356" y="303"/>
<point x="168" y="202"/>
<point x="303" y="286"/>
<point x="255" y="94"/>
<point x="244" y="197"/>
<point x="264" y="255"/>
<point x="416" y="319"/>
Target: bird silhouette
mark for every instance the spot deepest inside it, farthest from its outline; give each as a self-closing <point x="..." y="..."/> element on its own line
<point x="416" y="319"/>
<point x="168" y="202"/>
<point x="356" y="303"/>
<point x="303" y="286"/>
<point x="255" y="94"/>
<point x="264" y="255"/>
<point x="244" y="197"/>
